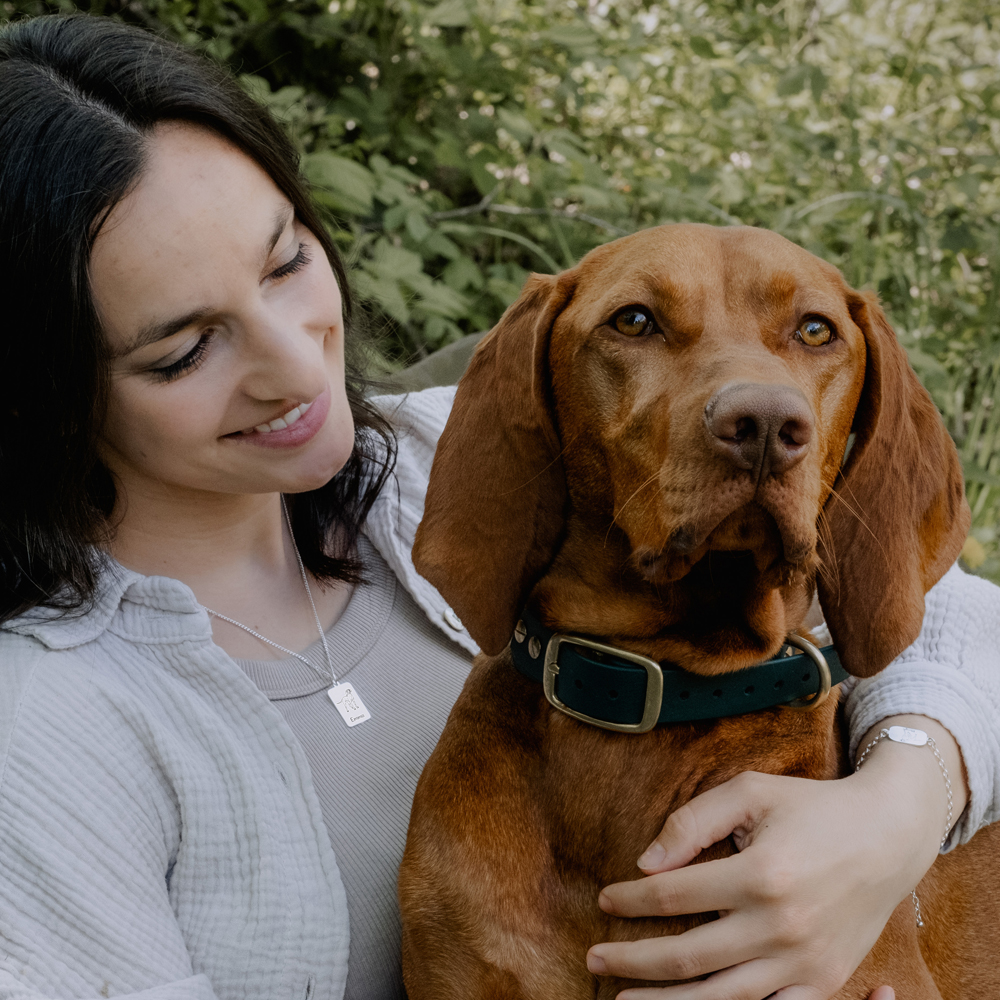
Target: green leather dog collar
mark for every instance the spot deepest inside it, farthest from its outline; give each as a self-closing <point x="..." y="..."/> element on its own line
<point x="619" y="690"/>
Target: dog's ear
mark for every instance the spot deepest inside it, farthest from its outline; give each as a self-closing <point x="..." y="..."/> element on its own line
<point x="898" y="517"/>
<point x="494" y="513"/>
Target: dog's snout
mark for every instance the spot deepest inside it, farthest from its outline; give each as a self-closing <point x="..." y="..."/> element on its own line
<point x="762" y="428"/>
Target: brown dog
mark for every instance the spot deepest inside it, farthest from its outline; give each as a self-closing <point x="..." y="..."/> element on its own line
<point x="649" y="450"/>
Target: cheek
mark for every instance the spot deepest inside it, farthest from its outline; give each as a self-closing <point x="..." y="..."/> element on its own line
<point x="145" y="425"/>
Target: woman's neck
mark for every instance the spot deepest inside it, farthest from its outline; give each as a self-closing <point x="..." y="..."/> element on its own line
<point x="237" y="556"/>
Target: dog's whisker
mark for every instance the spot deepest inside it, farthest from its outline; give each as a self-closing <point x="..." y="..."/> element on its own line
<point x="614" y="519"/>
<point x="862" y="522"/>
<point x="831" y="569"/>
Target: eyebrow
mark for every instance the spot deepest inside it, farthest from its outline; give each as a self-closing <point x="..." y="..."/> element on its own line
<point x="152" y="333"/>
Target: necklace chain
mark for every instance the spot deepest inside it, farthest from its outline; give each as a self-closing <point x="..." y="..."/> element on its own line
<point x="312" y="604"/>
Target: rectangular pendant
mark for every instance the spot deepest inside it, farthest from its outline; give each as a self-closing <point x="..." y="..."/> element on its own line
<point x="349" y="704"/>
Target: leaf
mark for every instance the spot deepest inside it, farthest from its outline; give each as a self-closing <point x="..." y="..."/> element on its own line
<point x="395" y="262"/>
<point x="354" y="183"/>
<point x="439" y="299"/>
<point x="958" y="236"/>
<point x="578" y="37"/>
<point x="793" y="80"/>
<point x="449" y="14"/>
<point x="462" y="273"/>
<point x="817" y="82"/>
<point x="517" y="125"/>
<point x="967" y="183"/>
<point x="416" y="226"/>
<point x="395" y="217"/>
<point x="438" y="245"/>
<point x="386" y="294"/>
<point x="701" y="46"/>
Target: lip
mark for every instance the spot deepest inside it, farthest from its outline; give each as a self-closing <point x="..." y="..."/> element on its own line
<point x="301" y="431"/>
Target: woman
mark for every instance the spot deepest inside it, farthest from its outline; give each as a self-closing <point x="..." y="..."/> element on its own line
<point x="203" y="547"/>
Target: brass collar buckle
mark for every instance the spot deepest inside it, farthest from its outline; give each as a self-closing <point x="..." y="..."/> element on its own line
<point x="654" y="683"/>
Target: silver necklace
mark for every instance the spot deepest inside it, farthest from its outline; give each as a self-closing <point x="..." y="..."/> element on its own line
<point x="344" y="696"/>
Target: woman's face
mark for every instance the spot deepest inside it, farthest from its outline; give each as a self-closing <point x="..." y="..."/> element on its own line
<point x="225" y="321"/>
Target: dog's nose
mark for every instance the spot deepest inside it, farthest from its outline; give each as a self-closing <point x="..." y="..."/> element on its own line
<point x="763" y="428"/>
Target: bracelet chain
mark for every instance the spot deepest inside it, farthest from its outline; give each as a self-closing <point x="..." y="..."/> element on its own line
<point x="884" y="734"/>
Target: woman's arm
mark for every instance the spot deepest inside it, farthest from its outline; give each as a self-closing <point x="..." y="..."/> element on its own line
<point x="951" y="674"/>
<point x="822" y="865"/>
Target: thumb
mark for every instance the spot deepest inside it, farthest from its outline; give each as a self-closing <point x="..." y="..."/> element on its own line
<point x="705" y="820"/>
<point x="883" y="993"/>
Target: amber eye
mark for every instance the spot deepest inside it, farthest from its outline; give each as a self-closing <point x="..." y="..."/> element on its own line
<point x="814" y="332"/>
<point x="634" y="321"/>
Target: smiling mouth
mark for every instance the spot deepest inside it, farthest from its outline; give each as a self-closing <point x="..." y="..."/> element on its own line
<point x="279" y="423"/>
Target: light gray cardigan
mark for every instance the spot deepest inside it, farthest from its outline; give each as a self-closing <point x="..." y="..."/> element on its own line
<point x="160" y="837"/>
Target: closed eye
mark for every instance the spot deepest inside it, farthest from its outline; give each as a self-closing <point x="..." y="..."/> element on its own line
<point x="191" y="360"/>
<point x="298" y="262"/>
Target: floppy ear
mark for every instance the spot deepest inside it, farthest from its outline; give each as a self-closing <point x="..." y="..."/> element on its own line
<point x="494" y="513"/>
<point x="898" y="517"/>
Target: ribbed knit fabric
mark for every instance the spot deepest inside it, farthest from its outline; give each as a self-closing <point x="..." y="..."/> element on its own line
<point x="952" y="674"/>
<point x="408" y="675"/>
<point x="159" y="833"/>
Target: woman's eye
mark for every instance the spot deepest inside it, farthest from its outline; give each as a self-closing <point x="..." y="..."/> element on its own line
<point x="192" y="359"/>
<point x="814" y="332"/>
<point x="298" y="262"/>
<point x="634" y="321"/>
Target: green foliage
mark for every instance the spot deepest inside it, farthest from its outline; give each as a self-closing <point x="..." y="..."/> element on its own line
<point x="457" y="145"/>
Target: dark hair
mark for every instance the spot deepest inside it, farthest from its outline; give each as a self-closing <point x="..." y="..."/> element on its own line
<point x="79" y="96"/>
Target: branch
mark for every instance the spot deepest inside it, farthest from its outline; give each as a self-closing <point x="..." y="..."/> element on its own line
<point x="457" y="213"/>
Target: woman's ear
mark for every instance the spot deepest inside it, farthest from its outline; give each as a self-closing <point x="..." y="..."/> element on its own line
<point x="898" y="517"/>
<point x="494" y="513"/>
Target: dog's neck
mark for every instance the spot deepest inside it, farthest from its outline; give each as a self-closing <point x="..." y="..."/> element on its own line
<point x="725" y="615"/>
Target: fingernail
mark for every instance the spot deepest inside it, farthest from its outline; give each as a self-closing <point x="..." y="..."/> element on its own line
<point x="654" y="855"/>
<point x="596" y="964"/>
<point x="604" y="902"/>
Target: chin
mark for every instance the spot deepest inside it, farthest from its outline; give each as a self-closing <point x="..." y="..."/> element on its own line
<point x="317" y="470"/>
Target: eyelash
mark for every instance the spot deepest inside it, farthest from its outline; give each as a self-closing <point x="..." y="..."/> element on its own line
<point x="192" y="359"/>
<point x="298" y="262"/>
<point x="196" y="355"/>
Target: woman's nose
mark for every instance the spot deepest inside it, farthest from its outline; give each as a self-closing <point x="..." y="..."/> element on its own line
<point x="285" y="360"/>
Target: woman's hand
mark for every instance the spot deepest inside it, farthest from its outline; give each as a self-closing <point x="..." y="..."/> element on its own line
<point x="821" y="867"/>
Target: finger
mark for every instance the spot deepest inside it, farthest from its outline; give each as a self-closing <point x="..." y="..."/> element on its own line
<point x="697" y="952"/>
<point x="714" y="885"/>
<point x="705" y="820"/>
<point x="750" y="981"/>
<point x="883" y="993"/>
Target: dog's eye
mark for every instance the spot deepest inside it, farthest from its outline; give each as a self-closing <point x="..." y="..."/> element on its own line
<point x="814" y="332"/>
<point x="634" y="321"/>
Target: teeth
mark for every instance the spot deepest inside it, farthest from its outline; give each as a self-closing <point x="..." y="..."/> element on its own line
<point x="285" y="420"/>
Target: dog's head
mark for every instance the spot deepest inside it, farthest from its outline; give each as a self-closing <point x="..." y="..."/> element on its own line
<point x="652" y="445"/>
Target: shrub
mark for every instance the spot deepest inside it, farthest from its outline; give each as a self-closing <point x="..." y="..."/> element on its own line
<point x="456" y="146"/>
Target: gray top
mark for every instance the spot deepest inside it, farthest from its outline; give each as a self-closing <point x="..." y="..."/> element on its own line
<point x="365" y="776"/>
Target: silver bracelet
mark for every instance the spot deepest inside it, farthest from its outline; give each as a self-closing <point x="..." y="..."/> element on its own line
<point x="914" y="738"/>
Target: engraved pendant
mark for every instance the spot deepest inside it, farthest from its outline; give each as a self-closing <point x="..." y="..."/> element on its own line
<point x="349" y="704"/>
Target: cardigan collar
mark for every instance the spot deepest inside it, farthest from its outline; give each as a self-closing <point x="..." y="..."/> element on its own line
<point x="141" y="608"/>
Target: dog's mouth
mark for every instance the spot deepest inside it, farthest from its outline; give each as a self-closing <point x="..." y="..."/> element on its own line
<point x="752" y="531"/>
